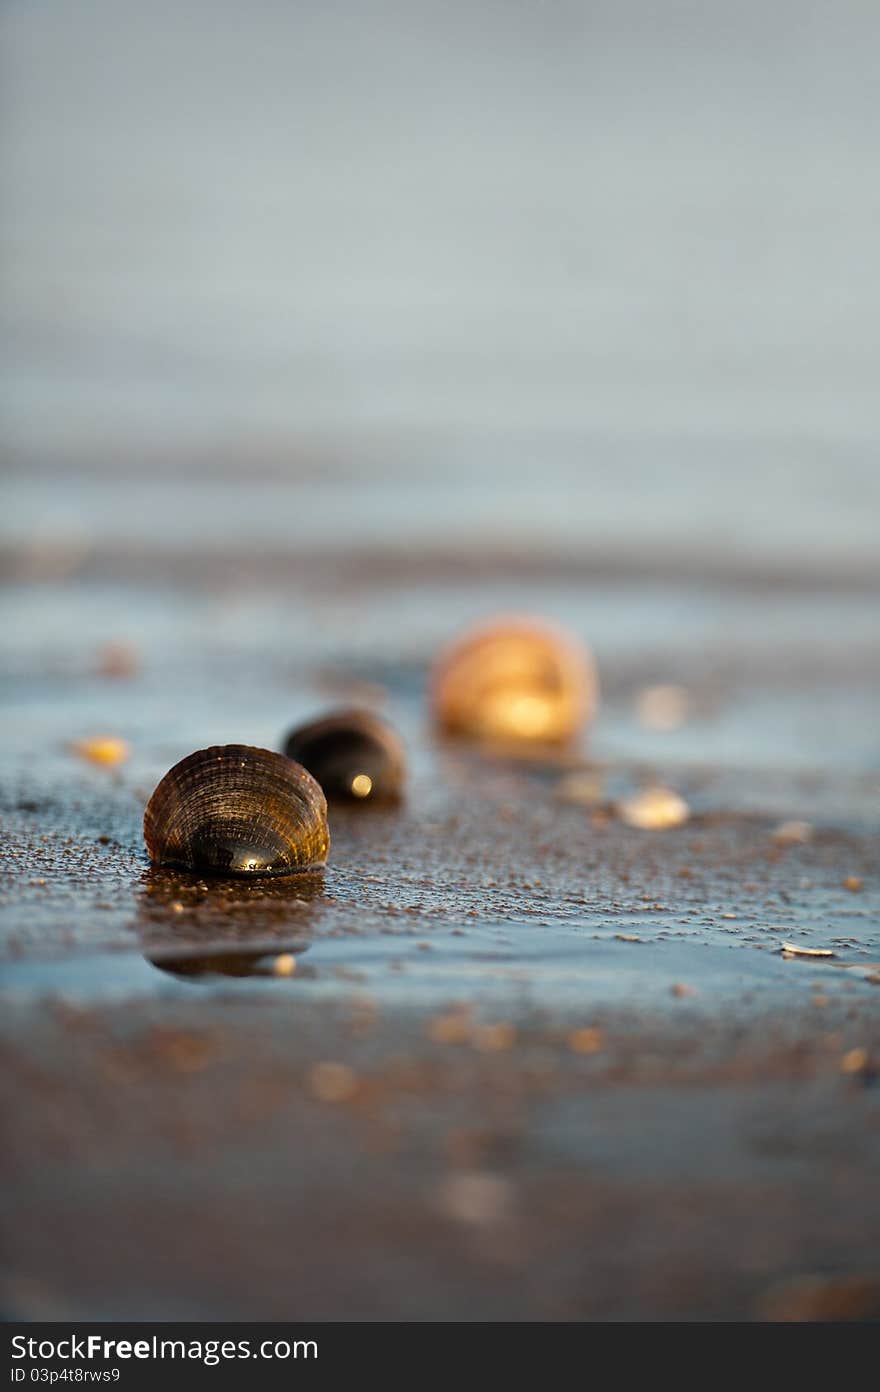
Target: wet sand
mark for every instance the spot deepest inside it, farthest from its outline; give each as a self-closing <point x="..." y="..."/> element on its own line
<point x="508" y="1058"/>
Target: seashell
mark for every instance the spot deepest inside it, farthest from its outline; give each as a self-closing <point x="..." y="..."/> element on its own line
<point x="235" y="810"/>
<point x="792" y="950"/>
<point x="353" y="754"/>
<point x="118" y="659"/>
<point x="517" y="680"/>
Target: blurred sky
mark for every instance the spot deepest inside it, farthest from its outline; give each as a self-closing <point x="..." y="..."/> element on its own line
<point x="559" y="272"/>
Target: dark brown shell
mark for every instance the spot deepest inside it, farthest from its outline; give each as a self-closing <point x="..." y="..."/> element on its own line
<point x="354" y="755"/>
<point x="235" y="810"/>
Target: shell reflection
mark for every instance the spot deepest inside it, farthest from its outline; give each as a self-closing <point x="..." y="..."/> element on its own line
<point x="243" y="927"/>
<point x="236" y="810"/>
<point x="355" y="756"/>
<point x="516" y="680"/>
<point x="241" y="962"/>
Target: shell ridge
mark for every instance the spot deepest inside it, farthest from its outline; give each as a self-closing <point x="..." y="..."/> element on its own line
<point x="237" y="809"/>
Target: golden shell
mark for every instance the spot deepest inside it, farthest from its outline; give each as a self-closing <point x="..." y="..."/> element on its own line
<point x="236" y="810"/>
<point x="517" y="680"/>
<point x="354" y="755"/>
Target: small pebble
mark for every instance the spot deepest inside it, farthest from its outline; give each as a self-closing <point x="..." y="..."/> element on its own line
<point x="476" y="1197"/>
<point x="332" y="1082"/>
<point x="662" y="707"/>
<point x="792" y="833"/>
<point x="654" y="809"/>
<point x="854" y="1061"/>
<point x="455" y="1027"/>
<point x="584" y="788"/>
<point x="102" y="749"/>
<point x="118" y="660"/>
<point x="494" y="1039"/>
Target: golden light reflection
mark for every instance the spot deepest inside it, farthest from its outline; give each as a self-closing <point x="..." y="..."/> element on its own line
<point x="362" y="785"/>
<point x="526" y="716"/>
<point x="284" y="964"/>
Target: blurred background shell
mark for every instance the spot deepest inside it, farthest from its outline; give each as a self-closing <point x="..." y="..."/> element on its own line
<point x="354" y="754"/>
<point x="515" y="679"/>
<point x="236" y="810"/>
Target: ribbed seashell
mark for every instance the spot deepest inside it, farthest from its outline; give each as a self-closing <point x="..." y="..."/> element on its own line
<point x="235" y="810"/>
<point x="516" y="680"/>
<point x="354" y="754"/>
